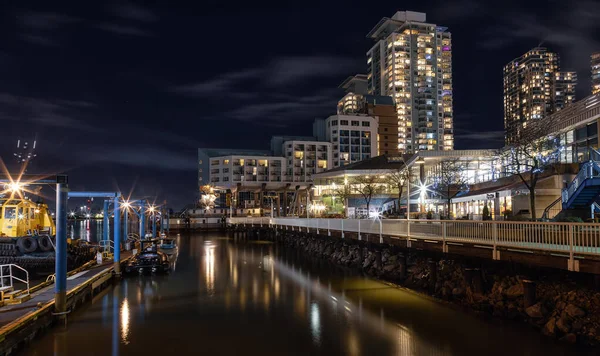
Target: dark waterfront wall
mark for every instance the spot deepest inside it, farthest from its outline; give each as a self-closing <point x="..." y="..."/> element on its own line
<point x="560" y="304"/>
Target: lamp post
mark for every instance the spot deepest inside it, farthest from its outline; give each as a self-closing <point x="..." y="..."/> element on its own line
<point x="408" y="200"/>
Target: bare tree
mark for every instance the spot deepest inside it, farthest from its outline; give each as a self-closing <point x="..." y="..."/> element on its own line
<point x="343" y="192"/>
<point x="398" y="180"/>
<point x="367" y="187"/>
<point x="533" y="152"/>
<point x="449" y="181"/>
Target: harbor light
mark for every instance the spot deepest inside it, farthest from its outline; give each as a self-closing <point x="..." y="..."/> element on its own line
<point x="15" y="186"/>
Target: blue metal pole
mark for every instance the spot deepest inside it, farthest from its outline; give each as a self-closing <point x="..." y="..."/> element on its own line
<point x="153" y="224"/>
<point x="60" y="286"/>
<point x="117" y="241"/>
<point x="142" y="220"/>
<point x="105" y="218"/>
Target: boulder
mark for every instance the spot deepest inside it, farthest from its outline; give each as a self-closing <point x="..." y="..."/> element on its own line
<point x="535" y="311"/>
<point x="389" y="268"/>
<point x="563" y="325"/>
<point x="574" y="311"/>
<point x="515" y="291"/>
<point x="458" y="292"/>
<point x="550" y="327"/>
<point x="577" y="326"/>
<point x="570" y="338"/>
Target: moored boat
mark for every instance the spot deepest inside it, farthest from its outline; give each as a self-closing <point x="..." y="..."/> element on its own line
<point x="149" y="259"/>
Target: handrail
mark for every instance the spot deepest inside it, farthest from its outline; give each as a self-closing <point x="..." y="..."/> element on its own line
<point x="108" y="245"/>
<point x="586" y="171"/>
<point x="561" y="237"/>
<point x="550" y="206"/>
<point x="12" y="277"/>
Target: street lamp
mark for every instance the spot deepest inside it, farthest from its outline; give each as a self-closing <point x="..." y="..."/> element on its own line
<point x="14" y="186"/>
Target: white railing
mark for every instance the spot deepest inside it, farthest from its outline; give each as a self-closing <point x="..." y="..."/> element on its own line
<point x="11" y="276"/>
<point x="107" y="245"/>
<point x="567" y="238"/>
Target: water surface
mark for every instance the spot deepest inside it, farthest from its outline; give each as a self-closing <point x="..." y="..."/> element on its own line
<point x="227" y="297"/>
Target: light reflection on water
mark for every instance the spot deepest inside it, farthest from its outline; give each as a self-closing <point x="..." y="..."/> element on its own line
<point x="229" y="298"/>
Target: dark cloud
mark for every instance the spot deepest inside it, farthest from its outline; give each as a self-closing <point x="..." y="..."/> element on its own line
<point x="145" y="156"/>
<point x="124" y="30"/>
<point x="45" y="20"/>
<point x="279" y="72"/>
<point x="45" y="112"/>
<point x="39" y="40"/>
<point x="226" y="82"/>
<point x="287" y="109"/>
<point x="291" y="70"/>
<point x="569" y="30"/>
<point x="134" y="12"/>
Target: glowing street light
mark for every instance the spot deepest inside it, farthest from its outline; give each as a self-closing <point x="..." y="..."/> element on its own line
<point x="15" y="186"/>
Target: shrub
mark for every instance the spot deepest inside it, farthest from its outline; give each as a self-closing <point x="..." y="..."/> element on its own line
<point x="429" y="215"/>
<point x="486" y="213"/>
<point x="572" y="219"/>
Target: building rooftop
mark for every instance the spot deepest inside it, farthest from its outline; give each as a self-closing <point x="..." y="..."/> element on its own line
<point x="349" y="82"/>
<point x="387" y="25"/>
<point x="379" y="163"/>
<point x="218" y="152"/>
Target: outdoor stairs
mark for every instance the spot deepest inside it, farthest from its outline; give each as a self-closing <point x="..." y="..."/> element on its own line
<point x="9" y="295"/>
<point x="581" y="197"/>
<point x="585" y="195"/>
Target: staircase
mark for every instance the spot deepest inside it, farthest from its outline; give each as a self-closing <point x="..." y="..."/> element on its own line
<point x="584" y="191"/>
<point x="8" y="276"/>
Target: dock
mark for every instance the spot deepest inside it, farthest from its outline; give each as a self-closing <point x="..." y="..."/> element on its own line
<point x="19" y="323"/>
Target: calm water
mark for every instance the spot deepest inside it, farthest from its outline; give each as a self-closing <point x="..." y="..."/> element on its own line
<point x="255" y="298"/>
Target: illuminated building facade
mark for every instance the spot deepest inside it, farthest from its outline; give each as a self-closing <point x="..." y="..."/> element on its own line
<point x="595" y="66"/>
<point x="411" y="61"/>
<point x="382" y="108"/>
<point x="353" y="138"/>
<point x="534" y="87"/>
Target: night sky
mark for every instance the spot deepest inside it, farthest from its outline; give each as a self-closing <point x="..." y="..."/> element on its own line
<point x="120" y="95"/>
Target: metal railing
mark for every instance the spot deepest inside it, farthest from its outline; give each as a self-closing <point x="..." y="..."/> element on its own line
<point x="107" y="245"/>
<point x="11" y="276"/>
<point x="551" y="210"/>
<point x="564" y="238"/>
<point x="589" y="169"/>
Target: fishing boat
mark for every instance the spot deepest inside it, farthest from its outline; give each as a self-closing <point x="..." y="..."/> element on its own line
<point x="149" y="259"/>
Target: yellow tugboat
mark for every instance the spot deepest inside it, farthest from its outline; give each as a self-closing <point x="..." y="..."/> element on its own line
<point x="27" y="229"/>
<point x="27" y="237"/>
<point x="29" y="225"/>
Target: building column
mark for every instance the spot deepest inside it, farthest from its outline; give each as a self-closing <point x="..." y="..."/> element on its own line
<point x="278" y="205"/>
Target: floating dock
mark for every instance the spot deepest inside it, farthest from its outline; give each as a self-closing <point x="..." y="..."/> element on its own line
<point x="20" y="323"/>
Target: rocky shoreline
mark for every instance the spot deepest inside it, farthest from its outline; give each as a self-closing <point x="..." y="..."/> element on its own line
<point x="550" y="301"/>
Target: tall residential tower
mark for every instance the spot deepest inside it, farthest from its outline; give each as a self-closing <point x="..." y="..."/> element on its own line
<point x="534" y="87"/>
<point x="595" y="65"/>
<point x="411" y="61"/>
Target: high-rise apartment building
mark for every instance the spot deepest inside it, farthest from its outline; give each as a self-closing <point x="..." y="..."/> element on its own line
<point x="534" y="87"/>
<point x="595" y="73"/>
<point x="382" y="108"/>
<point x="411" y="61"/>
